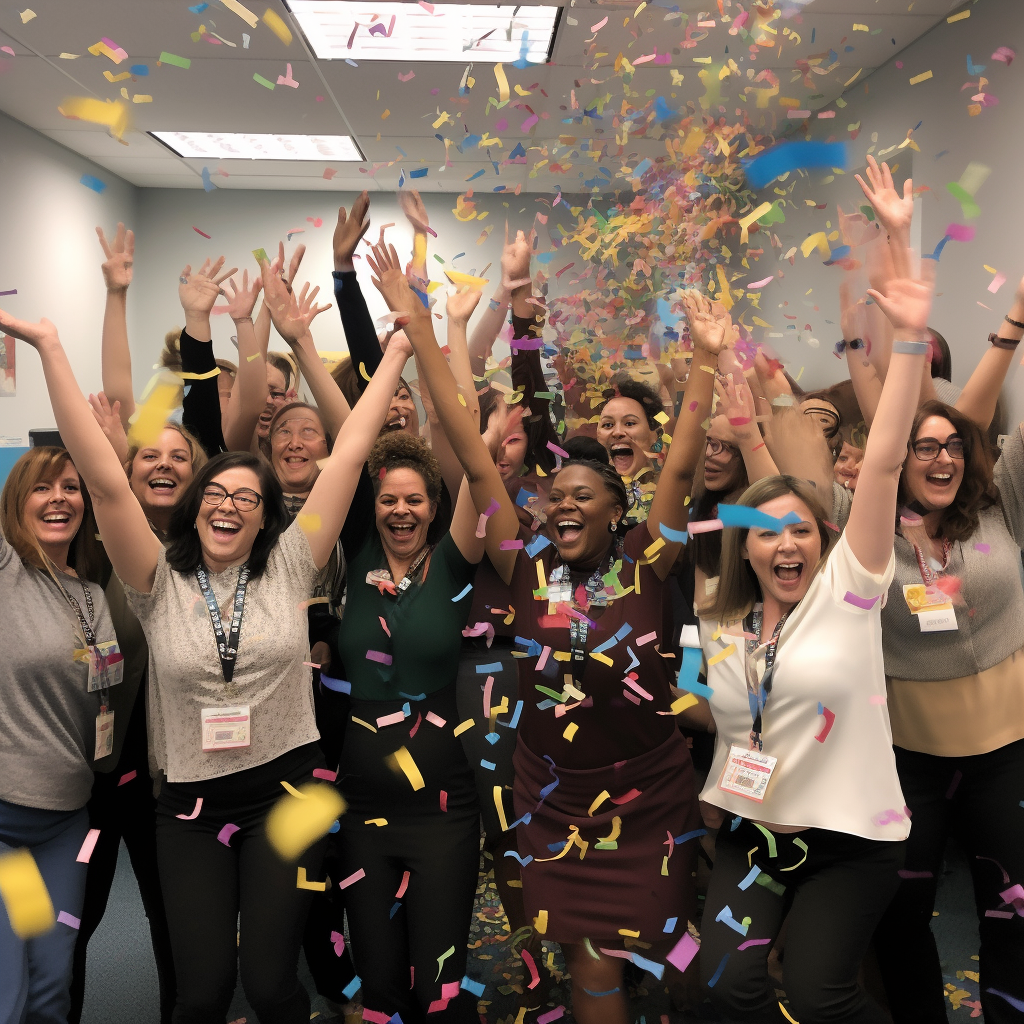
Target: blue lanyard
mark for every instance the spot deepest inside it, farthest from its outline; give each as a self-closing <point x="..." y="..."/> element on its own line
<point x="758" y="690"/>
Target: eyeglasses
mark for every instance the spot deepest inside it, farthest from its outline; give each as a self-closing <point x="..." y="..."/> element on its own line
<point x="928" y="448"/>
<point x="245" y="499"/>
<point x="305" y="433"/>
<point x="715" y="446"/>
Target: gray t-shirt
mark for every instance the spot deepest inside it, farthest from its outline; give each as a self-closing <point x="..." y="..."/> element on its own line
<point x="185" y="674"/>
<point x="47" y="715"/>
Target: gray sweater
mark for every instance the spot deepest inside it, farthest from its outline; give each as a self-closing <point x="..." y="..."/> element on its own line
<point x="991" y="621"/>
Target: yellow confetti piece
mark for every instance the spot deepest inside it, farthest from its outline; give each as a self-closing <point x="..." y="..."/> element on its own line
<point x="541" y="582"/>
<point x="243" y="12"/>
<point x="817" y="240"/>
<point x="499" y="75"/>
<point x="570" y="731"/>
<point x="629" y="931"/>
<point x="850" y="81"/>
<point x="27" y="15"/>
<point x="152" y="417"/>
<point x="600" y="799"/>
<point x="113" y="114"/>
<point x="302" y="817"/>
<point x="500" y="808"/>
<point x="365" y="725"/>
<point x="958" y="17"/>
<point x="379" y="822"/>
<point x="273" y="21"/>
<point x="463" y="726"/>
<point x="24" y="895"/>
<point x="465" y="280"/>
<point x="142" y="98"/>
<point x="603" y="658"/>
<point x="362" y="371"/>
<point x="540" y="922"/>
<point x="750" y="218"/>
<point x="653" y="549"/>
<point x="722" y="655"/>
<point x="561" y="655"/>
<point x="186" y="375"/>
<point x="309" y="522"/>
<point x="661" y="418"/>
<point x="111" y="77"/>
<point x="921" y="78"/>
<point x="785" y="1013"/>
<point x="608" y="842"/>
<point x="402" y="759"/>
<point x="861" y="28"/>
<point x="684" y="702"/>
<point x="302" y="883"/>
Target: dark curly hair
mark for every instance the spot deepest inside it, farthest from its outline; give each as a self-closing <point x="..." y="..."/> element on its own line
<point x="977" y="490"/>
<point x="184" y="552"/>
<point x="582" y="448"/>
<point x="624" y="386"/>
<point x="399" y="450"/>
<point x="611" y="480"/>
<point x="534" y="427"/>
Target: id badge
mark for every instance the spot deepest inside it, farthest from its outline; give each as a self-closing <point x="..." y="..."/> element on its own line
<point x="225" y="728"/>
<point x="747" y="773"/>
<point x="377" y="576"/>
<point x="104" y="735"/>
<point x="106" y="666"/>
<point x="932" y="608"/>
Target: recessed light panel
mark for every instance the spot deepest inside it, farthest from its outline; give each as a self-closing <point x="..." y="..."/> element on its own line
<point x="351" y="29"/>
<point x="237" y="146"/>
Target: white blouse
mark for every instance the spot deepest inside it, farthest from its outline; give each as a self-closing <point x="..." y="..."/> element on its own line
<point x="839" y="776"/>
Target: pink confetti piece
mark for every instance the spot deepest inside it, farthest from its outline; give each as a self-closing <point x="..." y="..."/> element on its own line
<point x="529" y="123"/>
<point x="198" y="232"/>
<point x="88" y="846"/>
<point x="352" y="879"/>
<point x="647" y="638"/>
<point x="600" y="24"/>
<point x="395" y="719"/>
<point x="407" y="76"/>
<point x="338" y="941"/>
<point x="753" y="942"/>
<point x="960" y="232"/>
<point x="826" y="113"/>
<point x="329" y="172"/>
<point x="983" y="548"/>
<point x="543" y="659"/>
<point x="510" y="545"/>
<point x="325" y="773"/>
<point x="429" y="8"/>
<point x="377" y="1016"/>
<point x="1000" y="913"/>
<point x="830" y="718"/>
<point x="378" y="656"/>
<point x="626" y="797"/>
<point x="683" y="952"/>
<point x="997" y="282"/>
<point x="128" y="776"/>
<point x="759" y="284"/>
<point x="72" y="922"/>
<point x="704" y="526"/>
<point x="488" y="686"/>
<point x="798" y="115"/>
<point x="444" y="801"/>
<point x="384" y="625"/>
<point x="547" y="1018"/>
<point x="1004" y="54"/>
<point x="225" y="834"/>
<point x="436" y="720"/>
<point x="638" y="688"/>
<point x="625" y="693"/>
<point x="532" y="966"/>
<point x="867" y="603"/>
<point x="412" y="731"/>
<point x="195" y="812"/>
<point x="403" y="886"/>
<point x="877" y="698"/>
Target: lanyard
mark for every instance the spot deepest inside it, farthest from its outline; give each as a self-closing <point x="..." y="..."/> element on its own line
<point x="227" y="647"/>
<point x="758" y="690"/>
<point x="86" y="624"/>
<point x="578" y="630"/>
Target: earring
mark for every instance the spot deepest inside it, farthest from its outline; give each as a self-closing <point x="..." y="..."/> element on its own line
<point x="613" y="526"/>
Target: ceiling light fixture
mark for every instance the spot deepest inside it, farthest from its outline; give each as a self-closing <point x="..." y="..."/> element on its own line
<point x="484" y="33"/>
<point x="239" y="146"/>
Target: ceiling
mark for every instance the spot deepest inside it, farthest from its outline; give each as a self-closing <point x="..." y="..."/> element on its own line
<point x="218" y="91"/>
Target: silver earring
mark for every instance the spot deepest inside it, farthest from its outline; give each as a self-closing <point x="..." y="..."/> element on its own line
<point x="613" y="526"/>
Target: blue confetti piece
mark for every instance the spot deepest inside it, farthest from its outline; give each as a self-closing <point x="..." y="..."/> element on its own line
<point x="492" y="738"/>
<point x="670" y="925"/>
<point x="644" y="165"/>
<point x="406" y="155"/>
<point x="489" y="669"/>
<point x="522" y="860"/>
<point x="788" y="156"/>
<point x="94" y="183"/>
<point x="472" y="177"/>
<point x="401" y="179"/>
<point x="672" y="536"/>
<point x="688" y="673"/>
<point x="555" y="847"/>
<point x="687" y="836"/>
<point x="335" y="828"/>
<point x="735" y="823"/>
<point x="598" y="995"/>
<point x="199" y="8"/>
<point x="394" y="909"/>
<point x="139" y="70"/>
<point x="752" y="874"/>
<point x="338" y="685"/>
<point x="352" y="987"/>
<point x="420" y="172"/>
<point x="662" y="112"/>
<point x="208" y="185"/>
<point x="749" y="518"/>
<point x="476" y="987"/>
<point x="517" y="152"/>
<point x="536" y="544"/>
<point x="972" y="68"/>
<point x="533" y="649"/>
<point x="410" y="696"/>
<point x="545" y="705"/>
<point x="514" y="720"/>
<point x="187" y="389"/>
<point x="462" y="593"/>
<point x="649" y="965"/>
<point x="349" y="60"/>
<point x="718" y="971"/>
<point x="523" y="497"/>
<point x="489" y="765"/>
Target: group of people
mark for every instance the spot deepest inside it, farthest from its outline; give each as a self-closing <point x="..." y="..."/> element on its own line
<point x="720" y="621"/>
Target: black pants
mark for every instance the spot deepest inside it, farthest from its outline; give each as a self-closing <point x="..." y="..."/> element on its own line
<point x="978" y="801"/>
<point x="125" y="811"/>
<point x="208" y="882"/>
<point x="832" y="903"/>
<point x="409" y="947"/>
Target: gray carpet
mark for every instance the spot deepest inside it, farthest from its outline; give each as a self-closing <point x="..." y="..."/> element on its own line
<point x="122" y="989"/>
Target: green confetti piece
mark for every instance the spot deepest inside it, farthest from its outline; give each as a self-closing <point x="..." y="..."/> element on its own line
<point x="261" y="256"/>
<point x="964" y="198"/>
<point x="263" y="81"/>
<point x="171" y="58"/>
<point x="770" y="884"/>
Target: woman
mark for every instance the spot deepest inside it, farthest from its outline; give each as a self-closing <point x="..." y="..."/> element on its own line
<point x="802" y="750"/>
<point x="629" y="753"/>
<point x="55" y="725"/>
<point x="235" y="726"/>
<point x="953" y="631"/>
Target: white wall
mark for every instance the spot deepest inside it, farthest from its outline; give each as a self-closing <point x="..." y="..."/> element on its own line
<point x="887" y="106"/>
<point x="51" y="256"/>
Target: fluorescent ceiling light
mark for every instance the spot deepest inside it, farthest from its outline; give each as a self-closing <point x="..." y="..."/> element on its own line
<point x="237" y="146"/>
<point x="466" y="33"/>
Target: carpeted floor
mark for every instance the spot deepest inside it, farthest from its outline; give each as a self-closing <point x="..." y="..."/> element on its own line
<point x="121" y="986"/>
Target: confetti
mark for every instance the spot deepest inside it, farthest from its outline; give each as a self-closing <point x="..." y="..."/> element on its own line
<point x="402" y="760"/>
<point x="23" y="892"/>
<point x="295" y="822"/>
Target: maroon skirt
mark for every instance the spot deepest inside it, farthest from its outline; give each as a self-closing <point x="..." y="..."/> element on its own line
<point x="622" y="886"/>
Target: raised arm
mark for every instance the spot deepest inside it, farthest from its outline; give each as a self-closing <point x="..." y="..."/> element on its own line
<point x="360" y="333"/>
<point x="249" y="395"/>
<point x="852" y="317"/>
<point x="709" y="329"/>
<point x="482" y="475"/>
<point x="115" y="355"/>
<point x="869" y="531"/>
<point x="736" y="406"/>
<point x="416" y="213"/>
<point x="130" y="543"/>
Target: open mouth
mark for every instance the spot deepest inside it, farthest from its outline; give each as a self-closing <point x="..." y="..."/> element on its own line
<point x="57" y="518"/>
<point x="401" y="531"/>
<point x="224" y="528"/>
<point x="622" y="458"/>
<point x="940" y="479"/>
<point x="569" y="530"/>
<point x="789" y="572"/>
<point x="398" y="423"/>
<point x="162" y="484"/>
<point x="295" y="460"/>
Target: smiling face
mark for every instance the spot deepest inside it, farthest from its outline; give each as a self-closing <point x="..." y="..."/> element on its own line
<point x="296" y="445"/>
<point x="784" y="562"/>
<point x="512" y="450"/>
<point x="624" y="432"/>
<point x="934" y="483"/>
<point x="276" y="397"/>
<point x="402" y="413"/>
<point x="53" y="512"/>
<point x="226" y="532"/>
<point x="579" y="510"/>
<point x="403" y="513"/>
<point x="723" y="470"/>
<point x="161" y="472"/>
<point x="847" y="467"/>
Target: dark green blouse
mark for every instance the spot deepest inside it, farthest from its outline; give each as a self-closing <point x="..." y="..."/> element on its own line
<point x="425" y="625"/>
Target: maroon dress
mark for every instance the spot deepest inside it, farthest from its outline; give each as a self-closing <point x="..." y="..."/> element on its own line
<point x="619" y="790"/>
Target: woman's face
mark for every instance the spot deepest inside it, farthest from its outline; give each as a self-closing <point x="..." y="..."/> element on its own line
<point x="403" y="512"/>
<point x="934" y="483"/>
<point x="512" y="450"/>
<point x="579" y="511"/>
<point x="847" y="467"/>
<point x="53" y="511"/>
<point x="723" y="469"/>
<point x="296" y="445"/>
<point x="784" y="562"/>
<point x="227" y="532"/>
<point x="623" y="430"/>
<point x="402" y="413"/>
<point x="277" y="395"/>
<point x="161" y="472"/>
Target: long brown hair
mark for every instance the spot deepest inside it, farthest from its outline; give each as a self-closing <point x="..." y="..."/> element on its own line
<point x="45" y="463"/>
<point x="738" y="586"/>
<point x="195" y="449"/>
<point x="977" y="490"/>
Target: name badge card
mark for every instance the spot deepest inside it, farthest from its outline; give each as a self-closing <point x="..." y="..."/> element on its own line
<point x="106" y="666"/>
<point x="747" y="773"/>
<point x="225" y="728"/>
<point x="933" y="608"/>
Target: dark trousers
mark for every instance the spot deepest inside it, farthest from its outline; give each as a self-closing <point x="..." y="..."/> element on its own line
<point x="831" y="903"/>
<point x="209" y="882"/>
<point x="125" y="812"/>
<point x="978" y="800"/>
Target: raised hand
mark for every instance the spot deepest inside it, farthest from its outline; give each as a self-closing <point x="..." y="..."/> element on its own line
<point x="241" y="300"/>
<point x="414" y="210"/>
<point x="515" y="261"/>
<point x="399" y="341"/>
<point x="906" y="303"/>
<point x="351" y="227"/>
<point x="308" y="309"/>
<point x="120" y="257"/>
<point x="391" y="282"/>
<point x="461" y="304"/>
<point x="736" y="405"/>
<point x="710" y="325"/>
<point x="894" y="212"/>
<point x="109" y="419"/>
<point x="198" y="292"/>
<point x="34" y="334"/>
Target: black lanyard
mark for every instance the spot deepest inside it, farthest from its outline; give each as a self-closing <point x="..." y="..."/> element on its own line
<point x="227" y="647"/>
<point x="758" y="690"/>
<point x="86" y="624"/>
<point x="578" y="630"/>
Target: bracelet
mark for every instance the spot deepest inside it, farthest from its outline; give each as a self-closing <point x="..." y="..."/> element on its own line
<point x="1015" y="323"/>
<point x="242" y="319"/>
<point x="911" y="348"/>
<point x="1007" y="343"/>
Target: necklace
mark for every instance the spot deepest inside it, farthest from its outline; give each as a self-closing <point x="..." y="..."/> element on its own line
<point x="598" y="591"/>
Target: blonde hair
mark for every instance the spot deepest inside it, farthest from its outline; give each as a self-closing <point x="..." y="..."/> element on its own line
<point x="738" y="586"/>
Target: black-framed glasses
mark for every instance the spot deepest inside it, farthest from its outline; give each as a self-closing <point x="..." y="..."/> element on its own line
<point x="714" y="447"/>
<point x="927" y="448"/>
<point x="244" y="499"/>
